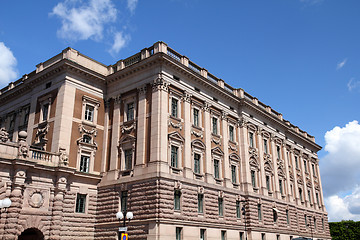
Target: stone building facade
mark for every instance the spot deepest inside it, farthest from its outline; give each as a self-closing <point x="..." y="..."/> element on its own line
<point x="157" y="135"/>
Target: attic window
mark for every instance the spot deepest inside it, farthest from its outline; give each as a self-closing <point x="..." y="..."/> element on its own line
<point x="48" y="85"/>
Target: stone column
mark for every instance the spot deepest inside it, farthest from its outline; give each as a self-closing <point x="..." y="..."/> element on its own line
<point x="159" y="130"/>
<point x="141" y="128"/>
<point x="105" y="153"/>
<point x="13" y="212"/>
<point x="209" y="177"/>
<point x="57" y="209"/>
<point x="226" y="165"/>
<point x="262" y="180"/>
<point x="245" y="176"/>
<point x="115" y="136"/>
<point x="188" y="168"/>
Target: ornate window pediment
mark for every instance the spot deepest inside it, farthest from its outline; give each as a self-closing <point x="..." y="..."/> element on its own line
<point x="252" y="127"/>
<point x="198" y="144"/>
<point x="268" y="168"/>
<point x="176" y="136"/>
<point x="217" y="151"/>
<point x="254" y="163"/>
<point x="234" y="158"/>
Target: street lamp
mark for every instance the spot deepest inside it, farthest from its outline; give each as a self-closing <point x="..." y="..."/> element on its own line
<point x="243" y="213"/>
<point x="120" y="216"/>
<point x="5" y="203"/>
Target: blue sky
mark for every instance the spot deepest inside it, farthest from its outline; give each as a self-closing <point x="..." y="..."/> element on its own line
<point x="301" y="57"/>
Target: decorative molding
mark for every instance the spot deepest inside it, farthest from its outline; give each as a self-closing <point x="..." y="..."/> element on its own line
<point x="241" y="122"/>
<point x="215" y="140"/>
<point x="197" y="134"/>
<point x="160" y="84"/>
<point x="253" y="152"/>
<point x="128" y="129"/>
<point x="231" y="147"/>
<point x="186" y="97"/>
<point x="64" y="158"/>
<point x="4" y="135"/>
<point x="142" y="90"/>
<point x="40" y="136"/>
<point x="175" y="125"/>
<point x="200" y="189"/>
<point x="91" y="132"/>
<point x="206" y="106"/>
<point x="36" y="198"/>
<point x="178" y="185"/>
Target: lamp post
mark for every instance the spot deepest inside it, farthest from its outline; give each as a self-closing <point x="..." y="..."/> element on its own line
<point x="123" y="216"/>
<point x="243" y="213"/>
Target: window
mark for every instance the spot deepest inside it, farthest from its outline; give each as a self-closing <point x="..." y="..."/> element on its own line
<point x="266" y="146"/>
<point x="231" y="133"/>
<point x="80" y="203"/>
<point x="278" y="152"/>
<point x="196" y="117"/>
<point x="202" y="234"/>
<point x="315" y="223"/>
<point x="267" y="178"/>
<point x="84" y="163"/>
<point x="306" y="224"/>
<point x="178" y="233"/>
<point x="89" y="113"/>
<point x="86" y="139"/>
<point x="313" y="169"/>
<point x="287" y="217"/>
<point x="309" y="196"/>
<point x="200" y="203"/>
<point x="197" y="163"/>
<point x="130" y="111"/>
<point x="233" y="173"/>
<point x="216" y="169"/>
<point x="259" y="212"/>
<point x="12" y="122"/>
<point x="123" y="199"/>
<point x="300" y="194"/>
<point x="322" y="223"/>
<point x="251" y="139"/>
<point x="281" y="187"/>
<point x="177" y="198"/>
<point x="296" y="162"/>
<point x="223" y="235"/>
<point x="174" y="156"/>
<point x="238" y="213"/>
<point x="174" y="107"/>
<point x="215" y="125"/>
<point x="128" y="159"/>
<point x="263" y="236"/>
<point x="241" y="236"/>
<point x="221" y="206"/>
<point x="275" y="216"/>
<point x="45" y="111"/>
<point x="305" y="167"/>
<point x="277" y="237"/>
<point x="253" y="179"/>
<point x="26" y="116"/>
<point x="317" y="198"/>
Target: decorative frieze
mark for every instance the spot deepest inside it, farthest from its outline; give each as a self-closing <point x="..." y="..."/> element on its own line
<point x="160" y="84"/>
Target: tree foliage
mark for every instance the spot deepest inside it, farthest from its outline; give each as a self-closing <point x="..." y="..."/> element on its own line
<point x="348" y="230"/>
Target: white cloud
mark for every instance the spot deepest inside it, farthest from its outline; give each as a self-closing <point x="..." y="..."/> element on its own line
<point x="352" y="84"/>
<point x="8" y="71"/>
<point x="340" y="172"/>
<point x="341" y="64"/>
<point x="81" y="21"/>
<point x="311" y="2"/>
<point x="120" y="41"/>
<point x="131" y="5"/>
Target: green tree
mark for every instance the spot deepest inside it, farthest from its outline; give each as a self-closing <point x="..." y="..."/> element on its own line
<point x="348" y="230"/>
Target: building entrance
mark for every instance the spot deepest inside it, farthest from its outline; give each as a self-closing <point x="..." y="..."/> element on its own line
<point x="31" y="234"/>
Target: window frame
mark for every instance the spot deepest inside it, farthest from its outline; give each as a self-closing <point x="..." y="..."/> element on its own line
<point x="177" y="200"/>
<point x="83" y="155"/>
<point x="79" y="197"/>
<point x="91" y="102"/>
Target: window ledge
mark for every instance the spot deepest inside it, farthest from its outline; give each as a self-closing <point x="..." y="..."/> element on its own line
<point x="176" y="118"/>
<point x="199" y="175"/>
<point x="88" y="123"/>
<point x="176" y="170"/>
<point x="197" y="127"/>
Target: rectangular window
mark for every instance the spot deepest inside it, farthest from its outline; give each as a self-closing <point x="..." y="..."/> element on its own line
<point x="305" y="167"/>
<point x="130" y="111"/>
<point x="26" y="116"/>
<point x="309" y="196"/>
<point x="89" y="113"/>
<point x="263" y="236"/>
<point x="216" y="169"/>
<point x="196" y="117"/>
<point x="313" y="169"/>
<point x="200" y="203"/>
<point x="174" y="107"/>
<point x="267" y="178"/>
<point x="259" y="212"/>
<point x="266" y="146"/>
<point x="80" y="203"/>
<point x="296" y="162"/>
<point x="253" y="179"/>
<point x="202" y="234"/>
<point x="197" y="163"/>
<point x="128" y="159"/>
<point x="238" y="213"/>
<point x="317" y="198"/>
<point x="322" y="223"/>
<point x="84" y="163"/>
<point x="251" y="139"/>
<point x="287" y="217"/>
<point x="174" y="156"/>
<point x="223" y="235"/>
<point x="315" y="223"/>
<point x="306" y="224"/>
<point x="233" y="173"/>
<point x="278" y="152"/>
<point x="12" y="122"/>
<point x="178" y="233"/>
<point x="177" y="198"/>
<point x="221" y="206"/>
<point x="214" y="125"/>
<point x="288" y="158"/>
<point x="231" y="133"/>
<point x="241" y="236"/>
<point x="275" y="216"/>
<point x="300" y="194"/>
<point x="123" y="199"/>
<point x="45" y="111"/>
<point x="280" y="186"/>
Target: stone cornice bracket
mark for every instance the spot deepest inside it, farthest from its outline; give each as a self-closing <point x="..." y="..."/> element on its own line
<point x="61" y="183"/>
<point x="224" y="116"/>
<point x="4" y="135"/>
<point x="242" y="122"/>
<point x="186" y="97"/>
<point x="117" y="99"/>
<point x="142" y="90"/>
<point x="160" y="84"/>
<point x="178" y="185"/>
<point x="201" y="190"/>
<point x="206" y="106"/>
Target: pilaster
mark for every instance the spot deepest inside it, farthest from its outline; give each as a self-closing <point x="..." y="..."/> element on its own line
<point x="141" y="129"/>
<point x="226" y="165"/>
<point x="209" y="177"/>
<point x="115" y="136"/>
<point x="188" y="172"/>
<point x="245" y="177"/>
